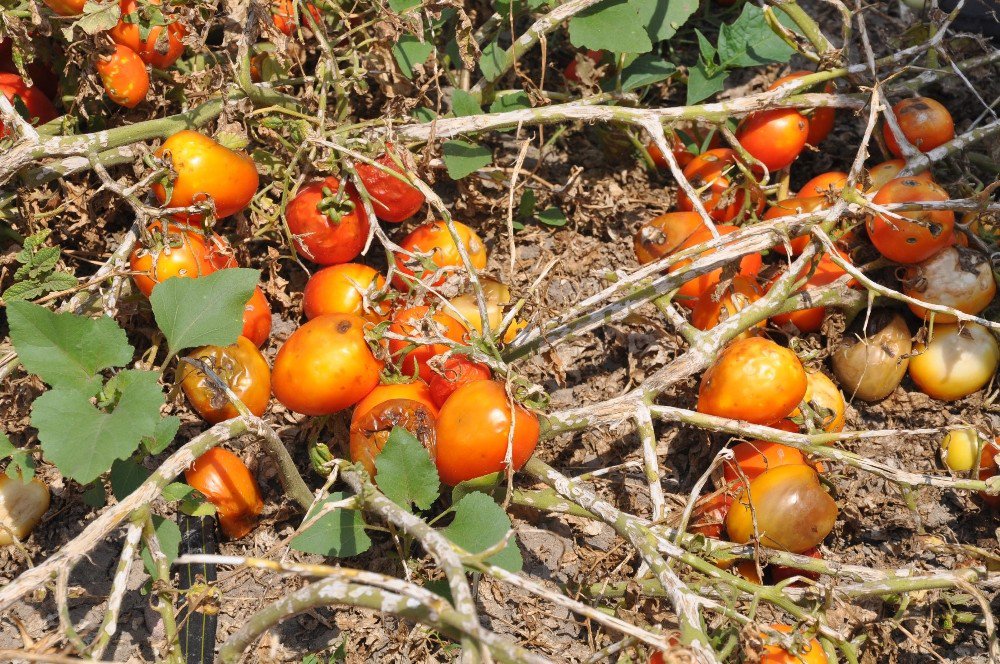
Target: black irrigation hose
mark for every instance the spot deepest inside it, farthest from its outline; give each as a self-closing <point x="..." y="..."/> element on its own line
<point x="198" y="626"/>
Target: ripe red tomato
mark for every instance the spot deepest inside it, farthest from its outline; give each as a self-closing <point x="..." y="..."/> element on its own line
<point x="283" y="13"/>
<point x="905" y="241"/>
<point x="124" y="75"/>
<point x="825" y="184"/>
<point x="709" y="311"/>
<point x="240" y="366"/>
<point x="419" y="322"/>
<point x="328" y="227"/>
<point x="812" y="653"/>
<point x="715" y="172"/>
<point x="40" y="109"/>
<point x="435" y="239"/>
<point x="180" y="252"/>
<point x="226" y="482"/>
<point x="66" y="7"/>
<point x="473" y="430"/>
<point x="344" y="289"/>
<point x="205" y="169"/>
<point x="956" y="277"/>
<point x="826" y="272"/>
<point x="370" y="432"/>
<point x="693" y="289"/>
<point x="820" y="119"/>
<point x="790" y="207"/>
<point x="257" y="318"/>
<point x="415" y="390"/>
<point x="925" y="123"/>
<point x="755" y="380"/>
<point x="129" y="32"/>
<point x="325" y="366"/>
<point x="775" y="138"/>
<point x="880" y="174"/>
<point x="393" y="200"/>
<point x="458" y="370"/>
<point x="662" y="235"/>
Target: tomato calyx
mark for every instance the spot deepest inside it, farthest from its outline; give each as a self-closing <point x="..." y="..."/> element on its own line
<point x="335" y="205"/>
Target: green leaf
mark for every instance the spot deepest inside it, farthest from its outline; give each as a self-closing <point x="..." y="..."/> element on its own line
<point x="705" y="47"/>
<point x="203" y="311"/>
<point x="6" y="447"/>
<point x="749" y="41"/>
<point x="703" y="83"/>
<point x="464" y="104"/>
<point x="664" y="17"/>
<point x="526" y="208"/>
<point x="82" y="440"/>
<point x="424" y="114"/>
<point x="481" y="524"/>
<point x="486" y="484"/>
<point x="552" y="216"/>
<point x="462" y="158"/>
<point x="511" y="102"/>
<point x="176" y="491"/>
<point x="22" y="464"/>
<point x="66" y="350"/>
<point x="126" y="477"/>
<point x="646" y="70"/>
<point x="164" y="434"/>
<point x="338" y="534"/>
<point x="94" y="496"/>
<point x="197" y="506"/>
<point x="619" y="26"/>
<point x="492" y="61"/>
<point x="37" y="273"/>
<point x="409" y="52"/>
<point x="405" y="471"/>
<point x="99" y="16"/>
<point x="400" y="6"/>
<point x="168" y="534"/>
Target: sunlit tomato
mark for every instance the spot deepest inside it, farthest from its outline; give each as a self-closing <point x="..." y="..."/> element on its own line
<point x="473" y="429"/>
<point x="66" y="7"/>
<point x="593" y="59"/>
<point x="220" y="252"/>
<point x="662" y="235"/>
<point x="874" y="356"/>
<point x="714" y="175"/>
<point x="458" y="370"/>
<point x="826" y="272"/>
<point x="416" y="390"/>
<point x="794" y="206"/>
<point x="780" y="573"/>
<point x="40" y="109"/>
<point x="959" y="449"/>
<point x="821" y="119"/>
<point x="753" y="379"/>
<point x="955" y="277"/>
<point x="911" y="236"/>
<point x="226" y="482"/>
<point x="685" y="144"/>
<point x="709" y="311"/>
<point x="825" y="184"/>
<point x="709" y="514"/>
<point x="881" y="174"/>
<point x="988" y="468"/>
<point x="283" y="12"/>
<point x="811" y="653"/>
<point x="160" y="53"/>
<point x="693" y="289"/>
<point x="435" y="238"/>
<point x="240" y="366"/>
<point x="754" y="457"/>
<point x="925" y="123"/>
<point x="958" y="361"/>
<point x="39" y="70"/>
<point x="497" y="296"/>
<point x="180" y="252"/>
<point x="370" y="432"/>
<point x="344" y="289"/>
<point x="206" y="169"/>
<point x="327" y="225"/>
<point x="677" y="147"/>
<point x="775" y="138"/>
<point x="420" y="323"/>
<point x="826" y="400"/>
<point x="325" y="366"/>
<point x="257" y="318"/>
<point x="124" y="75"/>
<point x="393" y="200"/>
<point x="22" y="505"/>
<point x="791" y="509"/>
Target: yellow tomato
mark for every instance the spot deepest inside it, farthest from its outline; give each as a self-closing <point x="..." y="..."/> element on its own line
<point x="958" y="361"/>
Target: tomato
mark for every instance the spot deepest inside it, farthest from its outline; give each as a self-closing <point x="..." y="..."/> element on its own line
<point x="663" y="235"/>
<point x="811" y="653"/>
<point x="925" y="123"/>
<point x="677" y="148"/>
<point x="821" y="119"/>
<point x="325" y="366"/>
<point x="226" y="482"/>
<point x="881" y="174"/>
<point x="679" y="141"/>
<point x="370" y="432"/>
<point x="825" y="184"/>
<point x="393" y="200"/>
<point x="124" y="75"/>
<point x="416" y="390"/>
<point x="594" y="57"/>
<point x="715" y="173"/>
<point x="497" y="296"/>
<point x="153" y="51"/>
<point x="790" y="207"/>
<point x="753" y="379"/>
<point x="435" y="239"/>
<point x="205" y="169"/>
<point x="40" y="109"/>
<point x="66" y="7"/>
<point x="791" y="509"/>
<point x="38" y="70"/>
<point x="473" y="430"/>
<point x="695" y="288"/>
<point x="904" y="241"/>
<point x="958" y="361"/>
<point x="988" y="468"/>
<point x="775" y="138"/>
<point x="709" y="514"/>
<point x="240" y="366"/>
<point x="709" y="311"/>
<point x="959" y="449"/>
<point x="257" y="318"/>
<point x="328" y="227"/>
<point x="348" y="288"/>
<point x="826" y="400"/>
<point x="283" y="14"/>
<point x="955" y="277"/>
<point x="420" y="322"/>
<point x="780" y="573"/>
<point x="825" y="273"/>
<point x="756" y="456"/>
<point x="180" y="252"/>
<point x="458" y="370"/>
<point x="874" y="357"/>
<point x="22" y="505"/>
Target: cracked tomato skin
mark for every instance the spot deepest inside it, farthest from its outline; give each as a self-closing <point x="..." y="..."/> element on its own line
<point x="370" y="431"/>
<point x="243" y="369"/>
<point x="775" y="138"/>
<point x="906" y="241"/>
<point x="182" y="252"/>
<point x="128" y="33"/>
<point x="473" y="428"/>
<point x="416" y="390"/>
<point x="693" y="289"/>
<point x="325" y="366"/>
<point x="393" y="200"/>
<point x="124" y="75"/>
<point x="40" y="109"/>
<point x="341" y="289"/>
<point x="458" y="370"/>
<point x="257" y="318"/>
<point x="332" y="237"/>
<point x="925" y="123"/>
<point x="412" y="358"/>
<point x="754" y="380"/>
<point x="434" y="238"/>
<point x="226" y="482"/>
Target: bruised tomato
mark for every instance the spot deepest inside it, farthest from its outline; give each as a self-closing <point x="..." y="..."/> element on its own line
<point x="124" y="75"/>
<point x="325" y="366"/>
<point x="415" y="390"/>
<point x="458" y="370"/>
<point x="226" y="482"/>
<point x="955" y="277"/>
<point x="714" y="174"/>
<point x="473" y="430"/>
<point x="347" y="288"/>
<point x="957" y="361"/>
<point x="880" y="174"/>
<point x="327" y="225"/>
<point x="753" y="379"/>
<point x="181" y="251"/>
<point x="240" y="366"/>
<point x="419" y="322"/>
<point x="393" y="198"/>
<point x="925" y="123"/>
<point x="40" y="109"/>
<point x="257" y="318"/>
<point x="435" y="238"/>
<point x="811" y="653"/>
<point x="283" y="13"/>
<point x="790" y="207"/>
<point x="205" y="169"/>
<point x="141" y="34"/>
<point x="710" y="310"/>
<point x="695" y="288"/>
<point x="911" y="236"/>
<point x="825" y="273"/>
<point x="820" y="119"/>
<point x="874" y="355"/>
<point x="663" y="235"/>
<point x="370" y="432"/>
<point x="775" y="138"/>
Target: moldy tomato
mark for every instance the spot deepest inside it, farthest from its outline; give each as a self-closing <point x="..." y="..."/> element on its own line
<point x="226" y="482"/>
<point x="925" y="123"/>
<point x="956" y="277"/>
<point x="714" y="173"/>
<point x="775" y="138"/>
<point x="124" y="75"/>
<point x="820" y="119"/>
<point x="370" y="432"/>
<point x="412" y="356"/>
<point x="436" y="239"/>
<point x="393" y="199"/>
<point x="344" y="289"/>
<point x="327" y="225"/>
<point x="240" y="366"/>
<point x="874" y="355"/>
<point x="40" y="109"/>
<point x="416" y="390"/>
<point x="957" y="361"/>
<point x="692" y="289"/>
<point x="458" y="370"/>
<point x="897" y="237"/>
<point x="662" y="235"/>
<point x="160" y="53"/>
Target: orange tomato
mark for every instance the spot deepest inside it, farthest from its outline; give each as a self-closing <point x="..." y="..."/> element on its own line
<point x="180" y="252"/>
<point x="753" y="379"/>
<point x="662" y="235"/>
<point x="344" y="289"/>
<point x="328" y="228"/>
<point x="827" y="401"/>
<point x="957" y="361"/>
<point x="821" y="119"/>
<point x="756" y="456"/>
<point x="714" y="173"/>
<point x="283" y="14"/>
<point x="956" y="277"/>
<point x="473" y="429"/>
<point x="416" y="390"/>
<point x="790" y="207"/>
<point x="775" y="138"/>
<point x="826" y="272"/>
<point x="812" y="653"/>
<point x="988" y="468"/>
<point x="393" y="200"/>
<point x="160" y="53"/>
<point x="435" y="239"/>
<point x="124" y="75"/>
<point x="370" y="432"/>
<point x="458" y="370"/>
<point x="66" y="7"/>
<point x="910" y="237"/>
<point x="824" y="184"/>
<point x="679" y="140"/>
<point x="709" y="311"/>
<point x="880" y="174"/>
<point x="325" y="366"/>
<point x="40" y="109"/>
<point x="240" y="366"/>
<point x="413" y="357"/>
<point x="257" y="318"/>
<point x="226" y="482"/>
<point x="925" y="123"/>
<point x="693" y="289"/>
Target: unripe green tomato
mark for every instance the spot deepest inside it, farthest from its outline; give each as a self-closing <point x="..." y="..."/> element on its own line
<point x="959" y="449"/>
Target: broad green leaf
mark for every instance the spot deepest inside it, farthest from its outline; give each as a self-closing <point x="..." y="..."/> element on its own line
<point x="164" y="434"/>
<point x="705" y="47"/>
<point x="66" y="350"/>
<point x="511" y="102"/>
<point x="481" y="524"/>
<point x="99" y="16"/>
<point x="21" y="464"/>
<point x="702" y="83"/>
<point x="463" y="104"/>
<point x="205" y="310"/>
<point x="338" y="534"/>
<point x="176" y="491"/>
<point x="492" y="61"/>
<point x="405" y="471"/>
<point x="196" y="506"/>
<point x="619" y="26"/>
<point x="168" y="534"/>
<point x="552" y="216"/>
<point x="749" y="41"/>
<point x="409" y="52"/>
<point x="82" y="440"/>
<point x="94" y="496"/>
<point x="487" y="484"/>
<point x="664" y="17"/>
<point x="462" y="158"/>
<point x="400" y="6"/>
<point x="6" y="447"/>
<point x="645" y="70"/>
<point x="424" y="114"/>
<point x="126" y="477"/>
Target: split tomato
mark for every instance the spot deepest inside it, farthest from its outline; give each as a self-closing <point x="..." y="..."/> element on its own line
<point x="240" y="366"/>
<point x="370" y="431"/>
<point x="226" y="482"/>
<point x="415" y="390"/>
